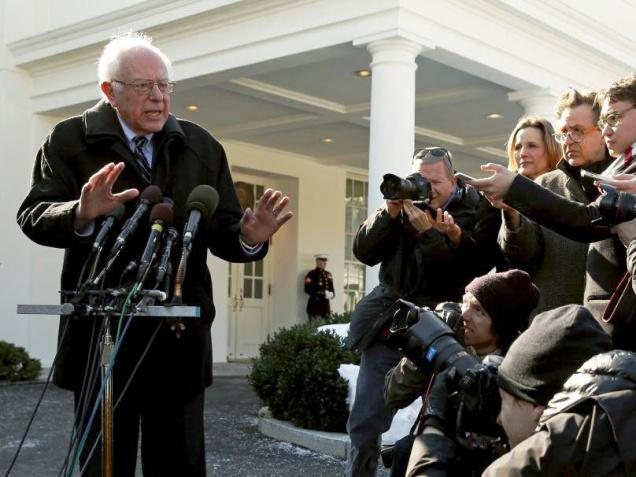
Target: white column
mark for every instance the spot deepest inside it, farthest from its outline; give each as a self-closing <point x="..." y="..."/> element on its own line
<point x="538" y="102"/>
<point x="392" y="128"/>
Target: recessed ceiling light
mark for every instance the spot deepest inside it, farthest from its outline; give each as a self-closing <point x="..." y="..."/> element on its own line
<point x="363" y="73"/>
<point x="494" y="116"/>
<point x="327" y="140"/>
<point x="192" y="107"/>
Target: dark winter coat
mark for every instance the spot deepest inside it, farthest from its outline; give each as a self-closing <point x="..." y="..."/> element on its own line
<point x="185" y="156"/>
<point x="425" y="268"/>
<point x="588" y="429"/>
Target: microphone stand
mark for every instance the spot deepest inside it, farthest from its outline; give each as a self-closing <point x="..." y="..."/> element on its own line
<point x="107" y="403"/>
<point x="96" y="307"/>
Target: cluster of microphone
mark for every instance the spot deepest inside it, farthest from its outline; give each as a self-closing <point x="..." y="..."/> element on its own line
<point x="162" y="239"/>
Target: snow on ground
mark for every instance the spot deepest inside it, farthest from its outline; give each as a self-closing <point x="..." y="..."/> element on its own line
<point x="403" y="419"/>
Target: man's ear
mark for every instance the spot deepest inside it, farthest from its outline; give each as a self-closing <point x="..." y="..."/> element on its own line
<point x="107" y="89"/>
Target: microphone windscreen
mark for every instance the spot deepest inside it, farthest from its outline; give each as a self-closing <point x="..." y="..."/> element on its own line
<point x="152" y="194"/>
<point x="205" y="199"/>
<point x="162" y="211"/>
<point x="118" y="212"/>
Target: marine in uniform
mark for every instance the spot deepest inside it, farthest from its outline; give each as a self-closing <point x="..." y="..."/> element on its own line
<point x="319" y="287"/>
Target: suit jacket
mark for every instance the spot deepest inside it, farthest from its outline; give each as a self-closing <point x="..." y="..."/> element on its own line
<point x="185" y="156"/>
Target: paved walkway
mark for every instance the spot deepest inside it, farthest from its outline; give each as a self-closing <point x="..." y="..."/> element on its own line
<point x="233" y="444"/>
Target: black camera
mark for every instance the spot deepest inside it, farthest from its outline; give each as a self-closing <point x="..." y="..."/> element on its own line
<point x="415" y="187"/>
<point x="616" y="206"/>
<point x="424" y="337"/>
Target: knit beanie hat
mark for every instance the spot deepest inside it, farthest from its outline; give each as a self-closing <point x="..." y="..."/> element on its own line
<point x="509" y="298"/>
<point x="555" y="345"/>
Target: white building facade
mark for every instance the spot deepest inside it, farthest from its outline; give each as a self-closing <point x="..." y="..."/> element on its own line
<point x="282" y="85"/>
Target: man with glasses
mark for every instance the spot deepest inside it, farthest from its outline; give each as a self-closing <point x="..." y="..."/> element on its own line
<point x="426" y="258"/>
<point x="87" y="167"/>
<point x="557" y="263"/>
<point x="605" y="267"/>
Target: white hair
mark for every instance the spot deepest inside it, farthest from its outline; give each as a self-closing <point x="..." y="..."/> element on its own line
<point x="122" y="44"/>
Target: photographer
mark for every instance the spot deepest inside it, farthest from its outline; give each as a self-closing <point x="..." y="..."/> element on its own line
<point x="425" y="260"/>
<point x="495" y="309"/>
<point x="537" y="365"/>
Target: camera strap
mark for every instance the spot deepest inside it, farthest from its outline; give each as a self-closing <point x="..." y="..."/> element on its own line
<point x="622" y="303"/>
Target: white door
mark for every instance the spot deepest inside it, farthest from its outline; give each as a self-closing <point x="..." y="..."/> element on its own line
<point x="249" y="287"/>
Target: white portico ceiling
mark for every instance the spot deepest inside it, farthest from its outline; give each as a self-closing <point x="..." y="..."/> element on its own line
<point x="293" y="108"/>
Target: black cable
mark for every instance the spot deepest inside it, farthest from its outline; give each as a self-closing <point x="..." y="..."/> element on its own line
<point x="37" y="406"/>
<point x="90" y="375"/>
<point x="124" y="389"/>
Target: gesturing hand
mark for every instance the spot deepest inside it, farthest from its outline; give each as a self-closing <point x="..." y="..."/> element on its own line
<point x="259" y="225"/>
<point x="97" y="196"/>
<point x="445" y="224"/>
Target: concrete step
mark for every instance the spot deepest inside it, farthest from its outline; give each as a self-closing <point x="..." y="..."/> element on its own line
<point x="335" y="444"/>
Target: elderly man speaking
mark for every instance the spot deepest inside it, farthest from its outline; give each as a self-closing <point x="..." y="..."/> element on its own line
<point x="86" y="168"/>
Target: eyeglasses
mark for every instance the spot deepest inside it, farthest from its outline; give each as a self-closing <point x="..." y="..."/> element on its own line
<point x="575" y="134"/>
<point x="144" y="87"/>
<point x="613" y="119"/>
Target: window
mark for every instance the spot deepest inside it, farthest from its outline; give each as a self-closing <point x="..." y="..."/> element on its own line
<point x="356" y="213"/>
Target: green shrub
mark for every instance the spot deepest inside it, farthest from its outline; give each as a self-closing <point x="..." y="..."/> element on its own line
<point x="332" y="319"/>
<point x="297" y="376"/>
<point x="16" y="365"/>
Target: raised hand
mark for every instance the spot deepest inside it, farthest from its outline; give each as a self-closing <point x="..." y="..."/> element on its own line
<point x="97" y="196"/>
<point x="496" y="186"/>
<point x="259" y="225"/>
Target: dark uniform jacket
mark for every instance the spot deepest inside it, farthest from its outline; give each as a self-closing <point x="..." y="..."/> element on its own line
<point x="425" y="268"/>
<point x="185" y="156"/>
<point x="317" y="282"/>
<point x="556" y="263"/>
<point x="606" y="256"/>
<point x="588" y="429"/>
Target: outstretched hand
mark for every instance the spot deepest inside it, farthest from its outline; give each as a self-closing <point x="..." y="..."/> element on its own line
<point x="97" y="196"/>
<point x="622" y="182"/>
<point x="257" y="226"/>
<point x="497" y="185"/>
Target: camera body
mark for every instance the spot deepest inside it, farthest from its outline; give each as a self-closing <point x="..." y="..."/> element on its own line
<point x="414" y="187"/>
<point x="425" y="337"/>
<point x="616" y="206"/>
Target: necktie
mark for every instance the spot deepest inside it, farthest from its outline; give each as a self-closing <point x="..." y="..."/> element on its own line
<point x="144" y="165"/>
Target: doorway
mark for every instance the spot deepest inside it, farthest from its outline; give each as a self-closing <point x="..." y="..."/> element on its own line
<point x="249" y="285"/>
